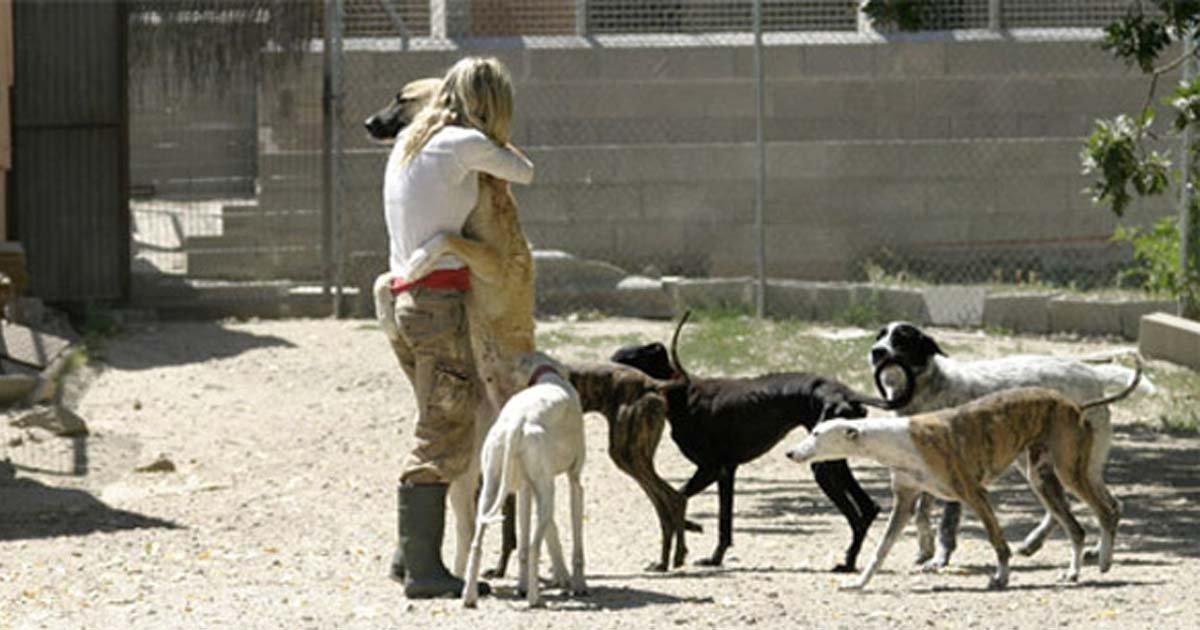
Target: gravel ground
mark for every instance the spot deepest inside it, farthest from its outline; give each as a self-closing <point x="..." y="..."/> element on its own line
<point x="286" y="439"/>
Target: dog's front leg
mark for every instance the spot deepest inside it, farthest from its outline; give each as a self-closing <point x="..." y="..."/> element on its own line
<point x="903" y="502"/>
<point x="838" y="483"/>
<point x="978" y="500"/>
<point x="947" y="535"/>
<point x="925" y="541"/>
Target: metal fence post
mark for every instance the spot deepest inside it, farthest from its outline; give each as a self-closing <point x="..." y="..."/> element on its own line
<point x="1189" y="305"/>
<point x="581" y="28"/>
<point x="994" y="15"/>
<point x="449" y="18"/>
<point x="332" y="241"/>
<point x="760" y="164"/>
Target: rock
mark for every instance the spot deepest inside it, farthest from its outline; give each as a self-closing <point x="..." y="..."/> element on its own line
<point x="56" y="419"/>
<point x="161" y="464"/>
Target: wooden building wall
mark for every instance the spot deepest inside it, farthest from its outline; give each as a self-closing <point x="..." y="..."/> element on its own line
<point x="70" y="148"/>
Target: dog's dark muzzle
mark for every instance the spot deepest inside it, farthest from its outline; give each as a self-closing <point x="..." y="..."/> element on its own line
<point x="383" y="127"/>
<point x="879" y="355"/>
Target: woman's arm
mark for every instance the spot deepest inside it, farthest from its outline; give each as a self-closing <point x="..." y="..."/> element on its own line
<point x="478" y="153"/>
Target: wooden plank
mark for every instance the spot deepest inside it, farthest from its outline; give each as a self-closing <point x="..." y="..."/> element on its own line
<point x="6" y="43"/>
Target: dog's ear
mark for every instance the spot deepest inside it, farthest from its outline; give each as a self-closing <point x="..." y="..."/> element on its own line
<point x="929" y="347"/>
<point x="840" y="409"/>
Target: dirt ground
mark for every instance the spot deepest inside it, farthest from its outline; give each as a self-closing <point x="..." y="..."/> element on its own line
<point x="286" y="438"/>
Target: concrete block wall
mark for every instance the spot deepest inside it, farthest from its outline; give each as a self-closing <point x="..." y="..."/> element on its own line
<point x="931" y="148"/>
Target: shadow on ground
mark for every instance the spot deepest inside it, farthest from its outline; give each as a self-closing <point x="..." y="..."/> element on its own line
<point x="30" y="509"/>
<point x="182" y="343"/>
<point x="1154" y="475"/>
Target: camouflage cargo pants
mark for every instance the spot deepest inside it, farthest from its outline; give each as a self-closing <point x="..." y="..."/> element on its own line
<point x="435" y="352"/>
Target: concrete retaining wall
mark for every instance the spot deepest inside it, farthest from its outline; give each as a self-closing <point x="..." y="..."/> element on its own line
<point x="942" y="152"/>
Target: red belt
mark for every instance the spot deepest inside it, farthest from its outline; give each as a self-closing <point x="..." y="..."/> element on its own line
<point x="439" y="279"/>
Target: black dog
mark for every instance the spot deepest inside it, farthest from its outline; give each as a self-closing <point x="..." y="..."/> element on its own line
<point x="721" y="423"/>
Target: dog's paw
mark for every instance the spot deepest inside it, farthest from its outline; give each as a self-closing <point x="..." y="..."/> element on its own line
<point x="708" y="562"/>
<point x="493" y="574"/>
<point x="852" y="585"/>
<point x="997" y="582"/>
<point x="844" y="568"/>
<point x="933" y="565"/>
<point x="656" y="567"/>
<point x="579" y="589"/>
<point x="1068" y="576"/>
<point x="1091" y="555"/>
<point x="1029" y="548"/>
<point x="692" y="526"/>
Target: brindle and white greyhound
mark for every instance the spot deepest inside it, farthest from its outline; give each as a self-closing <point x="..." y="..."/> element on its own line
<point x="955" y="453"/>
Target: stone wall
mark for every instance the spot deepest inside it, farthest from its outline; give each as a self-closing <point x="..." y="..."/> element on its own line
<point x="948" y="151"/>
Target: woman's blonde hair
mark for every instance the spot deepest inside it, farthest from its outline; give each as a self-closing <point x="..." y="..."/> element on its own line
<point x="476" y="92"/>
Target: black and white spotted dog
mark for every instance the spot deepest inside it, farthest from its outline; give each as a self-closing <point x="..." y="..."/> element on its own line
<point x="941" y="382"/>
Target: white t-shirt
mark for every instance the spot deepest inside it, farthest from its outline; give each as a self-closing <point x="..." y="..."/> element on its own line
<point x="436" y="190"/>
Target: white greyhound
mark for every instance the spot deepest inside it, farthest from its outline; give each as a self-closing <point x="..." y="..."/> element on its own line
<point x="537" y="436"/>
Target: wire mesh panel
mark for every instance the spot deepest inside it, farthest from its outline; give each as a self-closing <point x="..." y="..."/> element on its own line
<point x="696" y="16"/>
<point x="386" y="18"/>
<point x="1062" y="13"/>
<point x="941" y="160"/>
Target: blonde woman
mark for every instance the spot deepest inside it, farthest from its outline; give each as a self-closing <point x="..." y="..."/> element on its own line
<point x="430" y="187"/>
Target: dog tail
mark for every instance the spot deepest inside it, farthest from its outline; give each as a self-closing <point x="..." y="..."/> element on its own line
<point x="1115" y="374"/>
<point x="1133" y="384"/>
<point x="497" y="487"/>
<point x="675" y="364"/>
<point x="385" y="306"/>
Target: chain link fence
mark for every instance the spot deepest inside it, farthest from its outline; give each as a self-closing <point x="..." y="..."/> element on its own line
<point x="944" y="159"/>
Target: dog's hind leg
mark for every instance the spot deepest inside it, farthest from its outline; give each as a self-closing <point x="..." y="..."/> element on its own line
<point x="578" y="582"/>
<point x="542" y="488"/>
<point x="1055" y="502"/>
<point x="1039" y="470"/>
<point x="725" y="530"/>
<point x="508" y="538"/>
<point x="838" y="483"/>
<point x="633" y="437"/>
<point x="470" y="594"/>
<point x="904" y="500"/>
<point x="1075" y="475"/>
<point x="524" y="512"/>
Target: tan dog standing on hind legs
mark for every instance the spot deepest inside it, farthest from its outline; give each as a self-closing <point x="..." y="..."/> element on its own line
<point x="955" y="453"/>
<point x="437" y="188"/>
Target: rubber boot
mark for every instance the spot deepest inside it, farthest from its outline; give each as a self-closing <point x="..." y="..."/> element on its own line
<point x="422" y="524"/>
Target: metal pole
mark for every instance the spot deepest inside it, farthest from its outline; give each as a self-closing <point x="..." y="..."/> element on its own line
<point x="327" y="150"/>
<point x="332" y="245"/>
<point x="581" y="28"/>
<point x="1189" y="306"/>
<point x="338" y="206"/>
<point x="760" y="166"/>
<point x="994" y="15"/>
